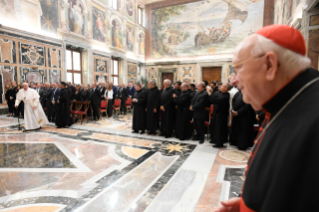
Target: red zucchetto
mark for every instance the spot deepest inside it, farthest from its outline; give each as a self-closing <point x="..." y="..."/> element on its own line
<point x="285" y="36"/>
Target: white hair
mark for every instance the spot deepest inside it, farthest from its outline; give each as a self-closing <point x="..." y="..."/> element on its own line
<point x="168" y="81"/>
<point x="153" y="82"/>
<point x="289" y="60"/>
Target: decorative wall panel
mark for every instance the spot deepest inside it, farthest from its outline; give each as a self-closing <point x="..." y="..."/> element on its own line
<point x="31" y="54"/>
<point x="101" y="71"/>
<point x="54" y="58"/>
<point x="33" y="74"/>
<point x="7" y="51"/>
<point x="55" y="76"/>
<point x="131" y="72"/>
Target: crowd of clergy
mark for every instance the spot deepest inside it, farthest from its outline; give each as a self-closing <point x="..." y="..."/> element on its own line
<point x="189" y="111"/>
<point x="185" y="111"/>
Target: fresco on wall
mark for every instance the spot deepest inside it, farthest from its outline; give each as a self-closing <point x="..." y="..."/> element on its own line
<point x="129" y="9"/>
<point x="130" y="38"/>
<point x="141" y="44"/>
<point x="50" y="15"/>
<point x="203" y="27"/>
<point x="32" y="55"/>
<point x="101" y="65"/>
<point x="54" y="58"/>
<point x="55" y="76"/>
<point x="76" y="16"/>
<point x="100" y="78"/>
<point x="117" y="34"/>
<point x="33" y="75"/>
<point x="7" y="51"/>
<point x="12" y="9"/>
<point x="99" y="25"/>
<point x="313" y="48"/>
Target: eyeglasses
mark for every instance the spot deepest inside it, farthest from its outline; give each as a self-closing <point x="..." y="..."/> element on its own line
<point x="246" y="61"/>
<point x="250" y="59"/>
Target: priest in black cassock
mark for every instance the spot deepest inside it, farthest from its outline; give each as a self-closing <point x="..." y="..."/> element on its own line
<point x="242" y="128"/>
<point x="63" y="117"/>
<point x="183" y="118"/>
<point x="214" y="94"/>
<point x="198" y="106"/>
<point x="152" y="107"/>
<point x="167" y="107"/>
<point x="139" y="100"/>
<point x="275" y="75"/>
<point x="177" y="92"/>
<point x="220" y="130"/>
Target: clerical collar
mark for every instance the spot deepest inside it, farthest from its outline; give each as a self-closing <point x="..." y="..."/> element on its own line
<point x="279" y="99"/>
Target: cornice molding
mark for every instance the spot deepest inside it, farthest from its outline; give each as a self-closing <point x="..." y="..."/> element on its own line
<point x="29" y="34"/>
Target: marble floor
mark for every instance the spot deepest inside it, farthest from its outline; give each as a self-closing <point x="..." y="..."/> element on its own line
<point x="101" y="166"/>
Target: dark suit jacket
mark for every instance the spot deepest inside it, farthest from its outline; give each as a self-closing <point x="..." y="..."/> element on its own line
<point x="56" y="95"/>
<point x="122" y="94"/>
<point x="96" y="97"/>
<point x="199" y="103"/>
<point x="131" y="91"/>
<point x="114" y="92"/>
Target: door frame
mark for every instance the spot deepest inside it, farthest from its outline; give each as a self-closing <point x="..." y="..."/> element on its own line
<point x="169" y="70"/>
<point x="222" y="64"/>
<point x="221" y="68"/>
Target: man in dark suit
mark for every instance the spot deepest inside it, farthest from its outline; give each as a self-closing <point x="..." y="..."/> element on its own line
<point x="48" y="102"/>
<point x="54" y="98"/>
<point x="95" y="101"/>
<point x="41" y="91"/>
<point x="131" y="90"/>
<point x="114" y="91"/>
<point x="122" y="94"/>
<point x="102" y="88"/>
<point x="33" y="86"/>
<point x="198" y="106"/>
<point x="167" y="107"/>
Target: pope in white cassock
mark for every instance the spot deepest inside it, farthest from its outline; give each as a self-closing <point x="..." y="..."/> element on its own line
<point x="34" y="116"/>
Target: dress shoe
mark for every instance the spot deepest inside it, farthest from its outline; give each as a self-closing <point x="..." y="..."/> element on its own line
<point x="168" y="136"/>
<point x="201" y="141"/>
<point x="195" y="139"/>
<point x="142" y="132"/>
<point x="218" y="146"/>
<point x="135" y="131"/>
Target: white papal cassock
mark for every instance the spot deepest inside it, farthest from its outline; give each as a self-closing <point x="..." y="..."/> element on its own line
<point x="33" y="119"/>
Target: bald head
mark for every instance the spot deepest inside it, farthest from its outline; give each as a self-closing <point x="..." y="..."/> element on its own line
<point x="184" y="87"/>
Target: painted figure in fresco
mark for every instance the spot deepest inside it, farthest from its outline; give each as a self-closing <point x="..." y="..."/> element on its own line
<point x="130" y="39"/>
<point x="77" y="17"/>
<point x="100" y="26"/>
<point x="129" y="7"/>
<point x="13" y="8"/>
<point x="141" y="44"/>
<point x="116" y="35"/>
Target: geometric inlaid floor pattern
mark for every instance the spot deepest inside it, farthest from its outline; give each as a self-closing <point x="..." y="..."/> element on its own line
<point x="84" y="168"/>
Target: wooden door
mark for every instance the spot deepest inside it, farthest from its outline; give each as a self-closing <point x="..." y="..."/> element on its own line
<point x="212" y="73"/>
<point x="169" y="76"/>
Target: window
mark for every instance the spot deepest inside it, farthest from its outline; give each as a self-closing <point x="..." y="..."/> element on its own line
<point x="74" y="66"/>
<point x="140" y="15"/>
<point x="114" y="4"/>
<point x="115" y="71"/>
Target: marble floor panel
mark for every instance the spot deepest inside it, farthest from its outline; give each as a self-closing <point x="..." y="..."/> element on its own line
<point x="102" y="166"/>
